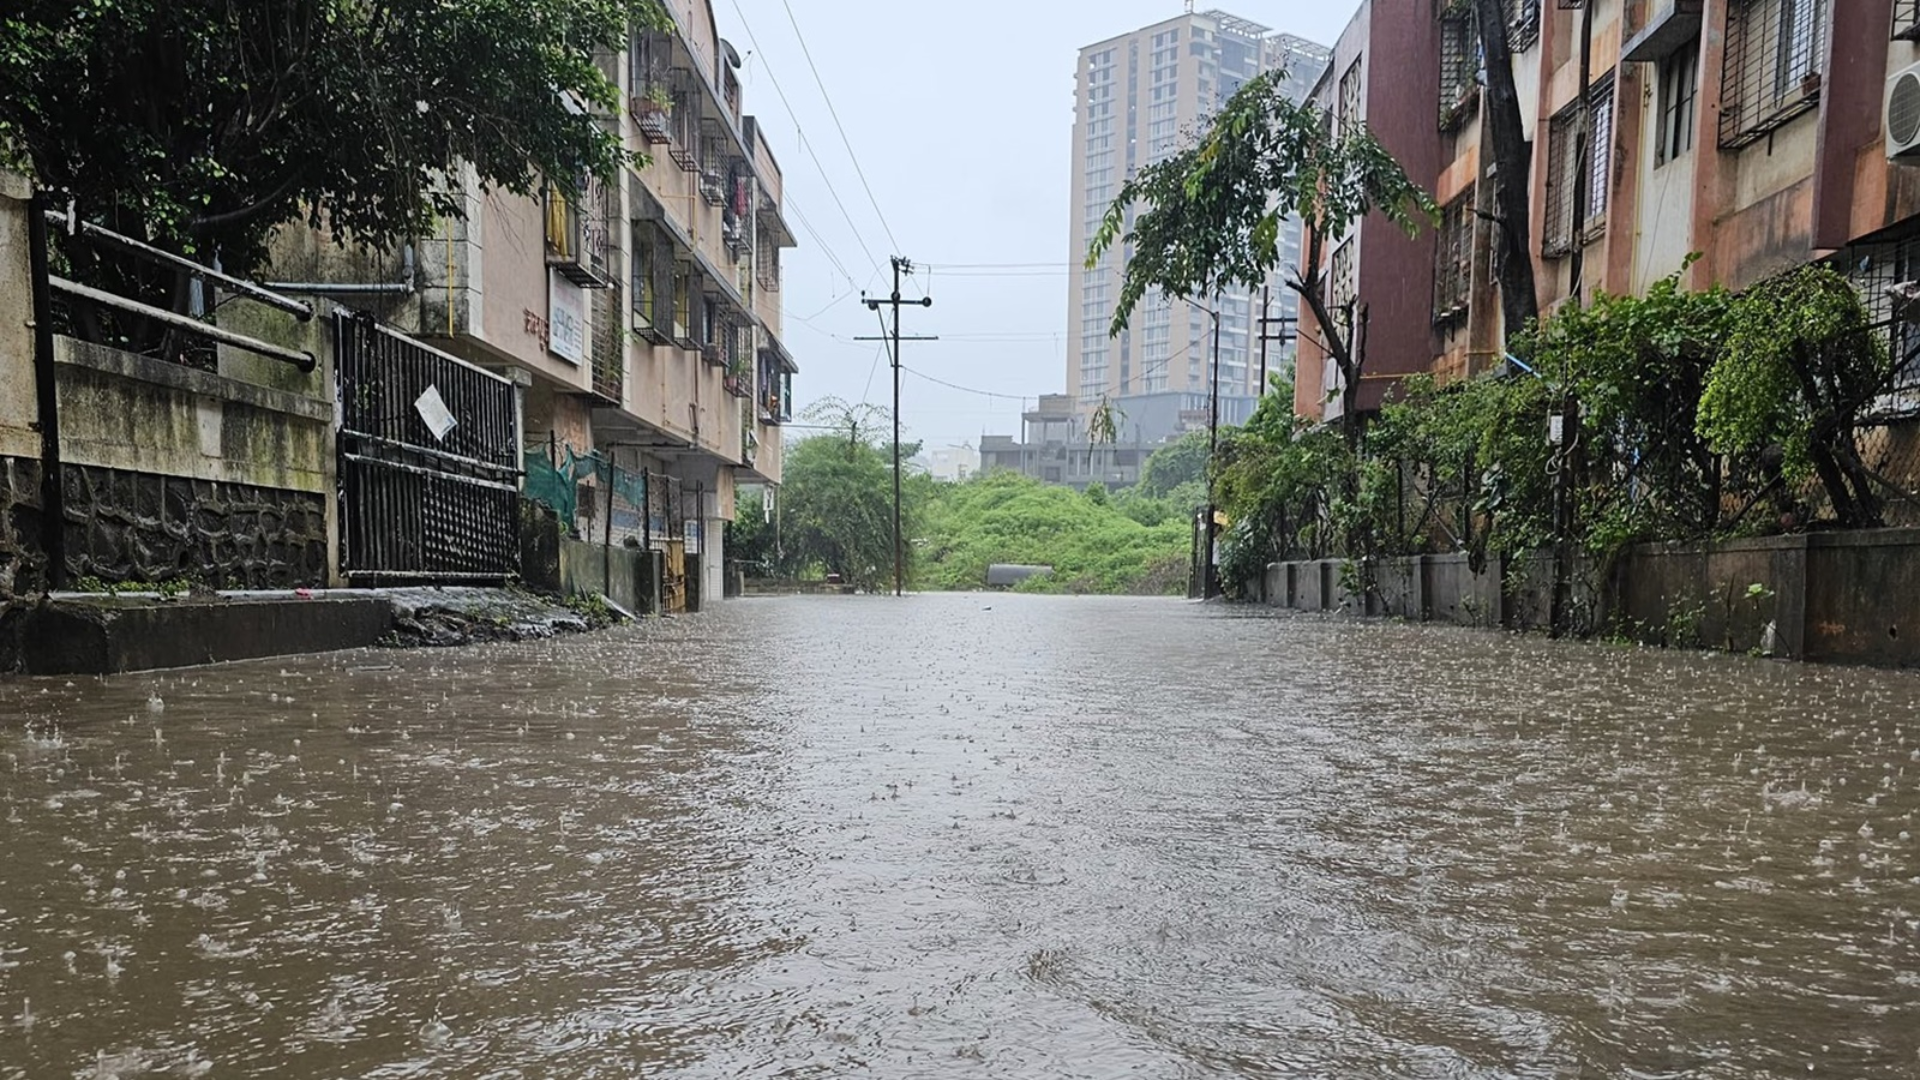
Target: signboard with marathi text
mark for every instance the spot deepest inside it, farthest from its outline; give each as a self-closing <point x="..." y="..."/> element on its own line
<point x="566" y="319"/>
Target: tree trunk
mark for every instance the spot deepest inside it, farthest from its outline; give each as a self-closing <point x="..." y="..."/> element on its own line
<point x="1512" y="161"/>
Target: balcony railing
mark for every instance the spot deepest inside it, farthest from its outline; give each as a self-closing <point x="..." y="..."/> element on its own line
<point x="578" y="243"/>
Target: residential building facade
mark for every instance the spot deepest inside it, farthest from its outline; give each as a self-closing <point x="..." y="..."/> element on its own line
<point x="1722" y="140"/>
<point x="642" y="316"/>
<point x="1137" y="97"/>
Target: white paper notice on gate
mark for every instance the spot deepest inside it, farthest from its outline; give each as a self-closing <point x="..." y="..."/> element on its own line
<point x="433" y="409"/>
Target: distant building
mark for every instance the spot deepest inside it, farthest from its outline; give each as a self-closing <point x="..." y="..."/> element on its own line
<point x="952" y="464"/>
<point x="1054" y="448"/>
<point x="1136" y="96"/>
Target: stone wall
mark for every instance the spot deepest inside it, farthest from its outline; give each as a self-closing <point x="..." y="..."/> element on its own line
<point x="23" y="566"/>
<point x="1841" y="597"/>
<point x="124" y="526"/>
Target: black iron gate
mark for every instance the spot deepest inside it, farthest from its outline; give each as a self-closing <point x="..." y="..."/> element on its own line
<point x="429" y="462"/>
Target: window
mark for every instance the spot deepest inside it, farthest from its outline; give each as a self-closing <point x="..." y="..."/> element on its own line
<point x="1459" y="65"/>
<point x="1523" y="24"/>
<point x="1343" y="287"/>
<point x="1906" y="20"/>
<point x="642" y="290"/>
<point x="1774" y="55"/>
<point x="1679" y="91"/>
<point x="1347" y="109"/>
<point x="1579" y="169"/>
<point x="1453" y="262"/>
<point x="1599" y="174"/>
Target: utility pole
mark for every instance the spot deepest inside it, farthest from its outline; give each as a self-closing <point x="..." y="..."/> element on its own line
<point x="1208" y="571"/>
<point x="1560" y="603"/>
<point x="900" y="266"/>
<point x="1267" y="335"/>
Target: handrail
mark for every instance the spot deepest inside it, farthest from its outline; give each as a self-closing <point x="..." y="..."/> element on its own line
<point x="250" y="290"/>
<point x="305" y="361"/>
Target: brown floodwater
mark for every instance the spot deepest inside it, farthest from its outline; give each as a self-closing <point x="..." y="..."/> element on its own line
<point x="966" y="836"/>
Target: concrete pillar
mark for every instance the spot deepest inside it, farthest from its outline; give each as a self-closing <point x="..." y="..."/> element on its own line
<point x="19" y="408"/>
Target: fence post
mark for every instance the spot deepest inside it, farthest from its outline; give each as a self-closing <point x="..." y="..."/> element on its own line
<point x="53" y="511"/>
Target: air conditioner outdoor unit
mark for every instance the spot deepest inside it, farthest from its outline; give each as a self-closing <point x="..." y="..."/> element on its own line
<point x="1902" y="116"/>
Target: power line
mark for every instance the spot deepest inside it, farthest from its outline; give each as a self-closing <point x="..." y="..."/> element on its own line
<point x="800" y="216"/>
<point x="966" y="389"/>
<point x="835" y="113"/>
<point x="999" y="266"/>
<point x="805" y="143"/>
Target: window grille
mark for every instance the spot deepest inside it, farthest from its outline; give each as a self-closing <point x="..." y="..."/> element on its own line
<point x="1906" y="20"/>
<point x="1775" y="51"/>
<point x="1459" y="66"/>
<point x="1562" y="174"/>
<point x="640" y="288"/>
<point x="1679" y="102"/>
<point x="609" y="346"/>
<point x="1453" y="268"/>
<point x="1599" y="174"/>
<point x="1343" y="287"/>
<point x="1523" y="24"/>
<point x="1348" y="108"/>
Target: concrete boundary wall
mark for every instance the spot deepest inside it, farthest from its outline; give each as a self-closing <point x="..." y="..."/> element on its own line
<point x="1844" y="597"/>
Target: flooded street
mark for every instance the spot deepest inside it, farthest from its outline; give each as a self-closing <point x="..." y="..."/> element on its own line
<point x="966" y="836"/>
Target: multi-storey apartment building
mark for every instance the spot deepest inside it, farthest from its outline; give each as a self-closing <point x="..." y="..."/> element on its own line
<point x="643" y="316"/>
<point x="1751" y="135"/>
<point x="1137" y="96"/>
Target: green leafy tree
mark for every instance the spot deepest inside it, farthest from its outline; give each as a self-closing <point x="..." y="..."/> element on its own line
<point x="752" y="541"/>
<point x="1638" y="365"/>
<point x="200" y="125"/>
<point x="1180" y="462"/>
<point x="1210" y="216"/>
<point x="836" y="510"/>
<point x="1800" y="367"/>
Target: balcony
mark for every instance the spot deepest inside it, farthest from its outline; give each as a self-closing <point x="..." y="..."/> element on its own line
<point x="578" y="244"/>
<point x="654" y="118"/>
<point x="739" y="384"/>
<point x="1674" y="25"/>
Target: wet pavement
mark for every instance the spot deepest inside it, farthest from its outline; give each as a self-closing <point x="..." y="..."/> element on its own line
<point x="966" y="836"/>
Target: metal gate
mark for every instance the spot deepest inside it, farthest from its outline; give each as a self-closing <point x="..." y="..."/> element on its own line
<point x="429" y="462"/>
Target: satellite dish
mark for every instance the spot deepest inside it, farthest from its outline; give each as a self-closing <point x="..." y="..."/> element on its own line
<point x="727" y="50"/>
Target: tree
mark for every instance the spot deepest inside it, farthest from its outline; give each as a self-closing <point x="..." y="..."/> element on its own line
<point x="752" y="541"/>
<point x="860" y="423"/>
<point x="1180" y="462"/>
<point x="1211" y="215"/>
<point x="1513" y="254"/>
<point x="1801" y="367"/>
<point x="200" y="125"/>
<point x="836" y="510"/>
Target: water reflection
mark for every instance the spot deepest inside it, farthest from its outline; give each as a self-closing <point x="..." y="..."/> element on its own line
<point x="1016" y="837"/>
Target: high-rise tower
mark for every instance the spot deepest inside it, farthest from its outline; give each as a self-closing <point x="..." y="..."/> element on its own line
<point x="1137" y="96"/>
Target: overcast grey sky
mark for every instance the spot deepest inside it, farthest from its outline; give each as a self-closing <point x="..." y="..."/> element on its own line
<point x="961" y="117"/>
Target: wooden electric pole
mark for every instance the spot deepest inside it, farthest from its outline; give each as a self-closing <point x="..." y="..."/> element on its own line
<point x="900" y="266"/>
